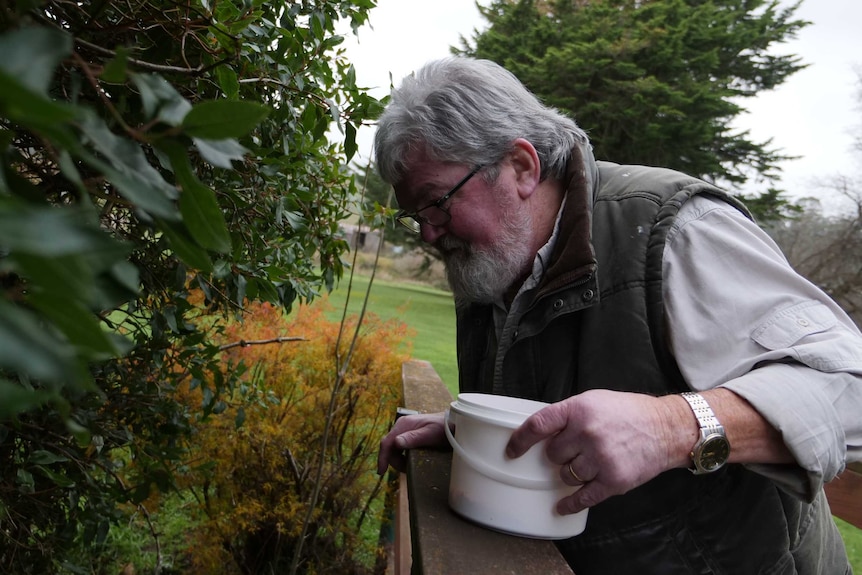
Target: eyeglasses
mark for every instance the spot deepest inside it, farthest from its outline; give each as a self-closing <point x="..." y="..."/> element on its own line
<point x="434" y="214"/>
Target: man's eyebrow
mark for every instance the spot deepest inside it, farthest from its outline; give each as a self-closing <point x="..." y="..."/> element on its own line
<point x="428" y="190"/>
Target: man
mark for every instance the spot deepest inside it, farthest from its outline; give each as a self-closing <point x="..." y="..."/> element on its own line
<point x="666" y="330"/>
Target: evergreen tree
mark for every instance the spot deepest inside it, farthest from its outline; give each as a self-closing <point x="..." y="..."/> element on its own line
<point x="655" y="82"/>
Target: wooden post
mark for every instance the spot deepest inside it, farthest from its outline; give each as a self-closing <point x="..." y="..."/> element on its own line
<point x="403" y="551"/>
<point x="845" y="495"/>
<point x="443" y="542"/>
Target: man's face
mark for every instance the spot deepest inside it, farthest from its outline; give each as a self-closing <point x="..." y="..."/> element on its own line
<point x="485" y="245"/>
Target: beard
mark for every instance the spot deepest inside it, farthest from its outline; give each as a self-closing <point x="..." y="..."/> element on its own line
<point x="482" y="275"/>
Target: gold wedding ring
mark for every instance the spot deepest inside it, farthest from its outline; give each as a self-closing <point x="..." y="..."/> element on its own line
<point x="575" y="475"/>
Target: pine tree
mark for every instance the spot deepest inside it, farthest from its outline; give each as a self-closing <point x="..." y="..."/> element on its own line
<point x="655" y="82"/>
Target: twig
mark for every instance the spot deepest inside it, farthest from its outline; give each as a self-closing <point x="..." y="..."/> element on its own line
<point x="143" y="64"/>
<point x="341" y="370"/>
<point x="246" y="343"/>
<point x="158" y="568"/>
<point x="85" y="68"/>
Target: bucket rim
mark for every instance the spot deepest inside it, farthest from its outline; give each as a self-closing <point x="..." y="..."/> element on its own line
<point x="502" y="410"/>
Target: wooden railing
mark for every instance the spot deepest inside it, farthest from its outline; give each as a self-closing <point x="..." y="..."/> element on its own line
<point x="430" y="539"/>
<point x="845" y="495"/>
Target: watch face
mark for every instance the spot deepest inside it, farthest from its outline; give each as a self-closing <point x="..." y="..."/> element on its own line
<point x="714" y="452"/>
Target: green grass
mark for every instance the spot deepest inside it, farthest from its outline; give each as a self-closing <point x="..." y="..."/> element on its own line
<point x="853" y="542"/>
<point x="131" y="543"/>
<point x="431" y="313"/>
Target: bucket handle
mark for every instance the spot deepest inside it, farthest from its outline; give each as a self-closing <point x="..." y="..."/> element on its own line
<point x="494" y="473"/>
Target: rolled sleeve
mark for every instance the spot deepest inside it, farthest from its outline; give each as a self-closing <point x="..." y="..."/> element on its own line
<point x="802" y="409"/>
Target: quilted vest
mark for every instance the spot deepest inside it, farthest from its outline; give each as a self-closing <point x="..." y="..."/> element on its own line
<point x="596" y="321"/>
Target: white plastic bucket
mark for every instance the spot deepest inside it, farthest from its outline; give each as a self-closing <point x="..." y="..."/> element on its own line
<point x="515" y="496"/>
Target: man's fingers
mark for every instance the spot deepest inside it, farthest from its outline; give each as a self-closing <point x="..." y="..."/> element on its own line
<point x="542" y="424"/>
<point x="587" y="496"/>
<point x="396" y="459"/>
<point x="409" y="432"/>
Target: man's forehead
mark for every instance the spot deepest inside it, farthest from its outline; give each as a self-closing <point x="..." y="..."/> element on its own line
<point x="418" y="159"/>
<point x="423" y="174"/>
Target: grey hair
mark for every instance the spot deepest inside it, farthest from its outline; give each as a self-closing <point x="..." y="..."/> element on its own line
<point x="470" y="111"/>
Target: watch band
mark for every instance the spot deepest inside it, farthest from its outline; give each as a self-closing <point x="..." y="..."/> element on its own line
<point x="712" y="449"/>
<point x="702" y="411"/>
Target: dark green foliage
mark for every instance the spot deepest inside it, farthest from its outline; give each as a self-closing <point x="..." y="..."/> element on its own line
<point x="147" y="150"/>
<point x="656" y="82"/>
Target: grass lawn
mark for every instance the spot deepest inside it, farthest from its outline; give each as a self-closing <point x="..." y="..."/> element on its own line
<point x="431" y="313"/>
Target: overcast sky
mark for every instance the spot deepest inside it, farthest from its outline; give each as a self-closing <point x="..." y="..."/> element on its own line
<point x="811" y="115"/>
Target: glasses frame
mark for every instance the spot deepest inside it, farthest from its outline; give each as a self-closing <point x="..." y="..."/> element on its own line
<point x="414" y="220"/>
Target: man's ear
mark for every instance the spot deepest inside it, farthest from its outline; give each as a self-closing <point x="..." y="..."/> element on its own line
<point x="528" y="168"/>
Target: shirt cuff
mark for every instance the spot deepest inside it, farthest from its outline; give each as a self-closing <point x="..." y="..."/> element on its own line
<point x="789" y="397"/>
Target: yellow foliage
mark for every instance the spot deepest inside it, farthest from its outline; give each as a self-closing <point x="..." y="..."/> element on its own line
<point x="255" y="481"/>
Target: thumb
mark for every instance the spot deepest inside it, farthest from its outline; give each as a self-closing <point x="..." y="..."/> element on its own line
<point x="542" y="424"/>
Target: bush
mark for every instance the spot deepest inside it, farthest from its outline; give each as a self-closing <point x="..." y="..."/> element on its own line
<point x="145" y="148"/>
<point x="289" y="458"/>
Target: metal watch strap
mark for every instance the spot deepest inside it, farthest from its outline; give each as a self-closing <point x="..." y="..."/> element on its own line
<point x="702" y="411"/>
<point x="712" y="449"/>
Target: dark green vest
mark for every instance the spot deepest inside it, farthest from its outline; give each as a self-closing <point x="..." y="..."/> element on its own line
<point x="598" y="322"/>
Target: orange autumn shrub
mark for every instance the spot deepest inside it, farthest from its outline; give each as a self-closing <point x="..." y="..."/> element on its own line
<point x="259" y="460"/>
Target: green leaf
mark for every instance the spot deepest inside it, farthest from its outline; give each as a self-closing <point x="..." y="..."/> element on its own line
<point x="198" y="204"/>
<point x="15" y="399"/>
<point x="27" y="347"/>
<point x="79" y="325"/>
<point x="68" y="276"/>
<point x="70" y="170"/>
<point x="28" y="108"/>
<point x="185" y="247"/>
<point x="42" y="457"/>
<point x="129" y="169"/>
<point x="140" y="492"/>
<point x="350" y="146"/>
<point x="228" y="82"/>
<point x="334" y="112"/>
<point x="220" y="119"/>
<point x="81" y="434"/>
<point x="317" y="25"/>
<point x="25" y="482"/>
<point x="57" y="479"/>
<point x="52" y="232"/>
<point x="114" y="71"/>
<point x="267" y="291"/>
<point x="160" y="99"/>
<point x="220" y="152"/>
<point x="126" y="276"/>
<point x="32" y="54"/>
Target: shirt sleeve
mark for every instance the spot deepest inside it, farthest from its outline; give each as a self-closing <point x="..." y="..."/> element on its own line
<point x="740" y="317"/>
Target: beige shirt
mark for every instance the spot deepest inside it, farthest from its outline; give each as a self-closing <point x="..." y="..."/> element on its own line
<point x="742" y="318"/>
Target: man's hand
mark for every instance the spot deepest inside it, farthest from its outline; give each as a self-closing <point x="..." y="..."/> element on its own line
<point x="410" y="431"/>
<point x="608" y="441"/>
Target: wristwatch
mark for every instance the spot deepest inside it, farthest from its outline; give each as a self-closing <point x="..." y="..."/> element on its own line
<point x="711" y="451"/>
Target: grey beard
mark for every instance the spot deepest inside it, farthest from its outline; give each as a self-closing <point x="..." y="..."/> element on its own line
<point x="483" y="276"/>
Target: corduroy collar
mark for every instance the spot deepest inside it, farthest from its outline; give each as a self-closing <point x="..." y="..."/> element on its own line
<point x="573" y="256"/>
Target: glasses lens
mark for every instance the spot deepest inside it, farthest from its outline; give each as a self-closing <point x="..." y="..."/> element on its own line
<point x="410" y="223"/>
<point x="433" y="215"/>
